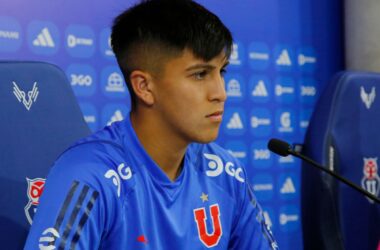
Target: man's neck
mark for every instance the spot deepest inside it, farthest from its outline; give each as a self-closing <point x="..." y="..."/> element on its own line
<point x="163" y="147"/>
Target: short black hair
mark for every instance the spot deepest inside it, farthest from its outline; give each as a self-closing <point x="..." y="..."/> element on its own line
<point x="147" y="33"/>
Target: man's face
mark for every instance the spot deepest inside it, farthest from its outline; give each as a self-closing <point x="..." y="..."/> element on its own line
<point x="190" y="97"/>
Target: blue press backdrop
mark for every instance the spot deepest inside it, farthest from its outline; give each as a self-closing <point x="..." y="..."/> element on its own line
<point x="284" y="54"/>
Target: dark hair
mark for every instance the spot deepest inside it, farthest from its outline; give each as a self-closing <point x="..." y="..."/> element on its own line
<point x="154" y="30"/>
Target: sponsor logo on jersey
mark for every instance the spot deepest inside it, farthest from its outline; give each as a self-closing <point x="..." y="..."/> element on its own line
<point x="48" y="237"/>
<point x="367" y="98"/>
<point x="28" y="99"/>
<point x="123" y="173"/>
<point x="371" y="179"/>
<point x="217" y="167"/>
<point x="142" y="239"/>
<point x="208" y="239"/>
<point x="34" y="192"/>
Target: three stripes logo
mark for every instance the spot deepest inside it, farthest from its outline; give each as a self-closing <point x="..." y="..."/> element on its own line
<point x="284" y="58"/>
<point x="74" y="212"/>
<point x="235" y="122"/>
<point x="44" y="39"/>
<point x="260" y="89"/>
<point x="288" y="187"/>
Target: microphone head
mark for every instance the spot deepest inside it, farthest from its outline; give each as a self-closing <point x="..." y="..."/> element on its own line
<point x="279" y="147"/>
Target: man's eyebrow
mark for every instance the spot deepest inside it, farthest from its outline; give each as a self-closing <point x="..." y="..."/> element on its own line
<point x="205" y="66"/>
<point x="201" y="66"/>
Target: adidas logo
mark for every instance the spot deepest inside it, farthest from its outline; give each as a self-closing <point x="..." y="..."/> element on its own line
<point x="117" y="116"/>
<point x="260" y="89"/>
<point x="284" y="58"/>
<point x="235" y="122"/>
<point x="44" y="39"/>
<point x="288" y="187"/>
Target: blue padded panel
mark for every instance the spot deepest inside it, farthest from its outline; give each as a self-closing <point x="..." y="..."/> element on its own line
<point x="342" y="133"/>
<point x="39" y="118"/>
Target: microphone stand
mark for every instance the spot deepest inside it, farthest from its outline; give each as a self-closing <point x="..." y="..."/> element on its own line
<point x="349" y="183"/>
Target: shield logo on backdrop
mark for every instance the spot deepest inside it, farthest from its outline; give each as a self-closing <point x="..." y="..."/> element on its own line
<point x="35" y="189"/>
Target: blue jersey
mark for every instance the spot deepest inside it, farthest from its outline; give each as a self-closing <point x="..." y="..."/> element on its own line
<point x="105" y="192"/>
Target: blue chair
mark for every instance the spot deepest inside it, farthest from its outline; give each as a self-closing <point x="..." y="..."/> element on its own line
<point x="344" y="135"/>
<point x="39" y="118"/>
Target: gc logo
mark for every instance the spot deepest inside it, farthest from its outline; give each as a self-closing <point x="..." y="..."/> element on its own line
<point x="123" y="172"/>
<point x="217" y="166"/>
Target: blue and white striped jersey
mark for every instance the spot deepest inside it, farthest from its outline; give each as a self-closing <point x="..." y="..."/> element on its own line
<point x="105" y="192"/>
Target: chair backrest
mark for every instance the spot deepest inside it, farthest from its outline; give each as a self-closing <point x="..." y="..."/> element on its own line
<point x="344" y="135"/>
<point x="39" y="118"/>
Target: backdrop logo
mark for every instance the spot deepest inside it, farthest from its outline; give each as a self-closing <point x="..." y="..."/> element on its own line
<point x="305" y="115"/>
<point x="371" y="180"/>
<point x="43" y="38"/>
<point x="261" y="156"/>
<point x="80" y="41"/>
<point x="114" y="112"/>
<point x="235" y="87"/>
<point x="236" y="57"/>
<point x="26" y="99"/>
<point x="261" y="122"/>
<point x="90" y="115"/>
<point x="105" y="44"/>
<point x="234" y="121"/>
<point x="289" y="218"/>
<point x="10" y="34"/>
<point x="285" y="122"/>
<point x="283" y="58"/>
<point x="308" y="91"/>
<point x="35" y="189"/>
<point x="259" y="88"/>
<point x="285" y="90"/>
<point x="113" y="84"/>
<point x="259" y="56"/>
<point x="263" y="187"/>
<point x="307" y="59"/>
<point x="288" y="186"/>
<point x="238" y="149"/>
<point x="82" y="78"/>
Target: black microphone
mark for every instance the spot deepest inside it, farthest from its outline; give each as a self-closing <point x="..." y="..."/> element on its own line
<point x="283" y="148"/>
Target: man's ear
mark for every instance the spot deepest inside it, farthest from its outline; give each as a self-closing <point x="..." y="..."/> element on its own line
<point x="141" y="83"/>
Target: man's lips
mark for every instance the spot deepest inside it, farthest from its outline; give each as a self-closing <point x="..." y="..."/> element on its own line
<point x="216" y="116"/>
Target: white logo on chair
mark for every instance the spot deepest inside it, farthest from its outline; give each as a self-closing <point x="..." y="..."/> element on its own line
<point x="368" y="98"/>
<point x="371" y="179"/>
<point x="21" y="96"/>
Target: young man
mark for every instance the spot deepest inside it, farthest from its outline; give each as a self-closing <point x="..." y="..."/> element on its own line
<point x="154" y="180"/>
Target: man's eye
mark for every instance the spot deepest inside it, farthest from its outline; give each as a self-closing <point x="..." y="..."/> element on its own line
<point x="223" y="71"/>
<point x="200" y="75"/>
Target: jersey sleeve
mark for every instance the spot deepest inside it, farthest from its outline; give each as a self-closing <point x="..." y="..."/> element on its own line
<point x="77" y="205"/>
<point x="251" y="231"/>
